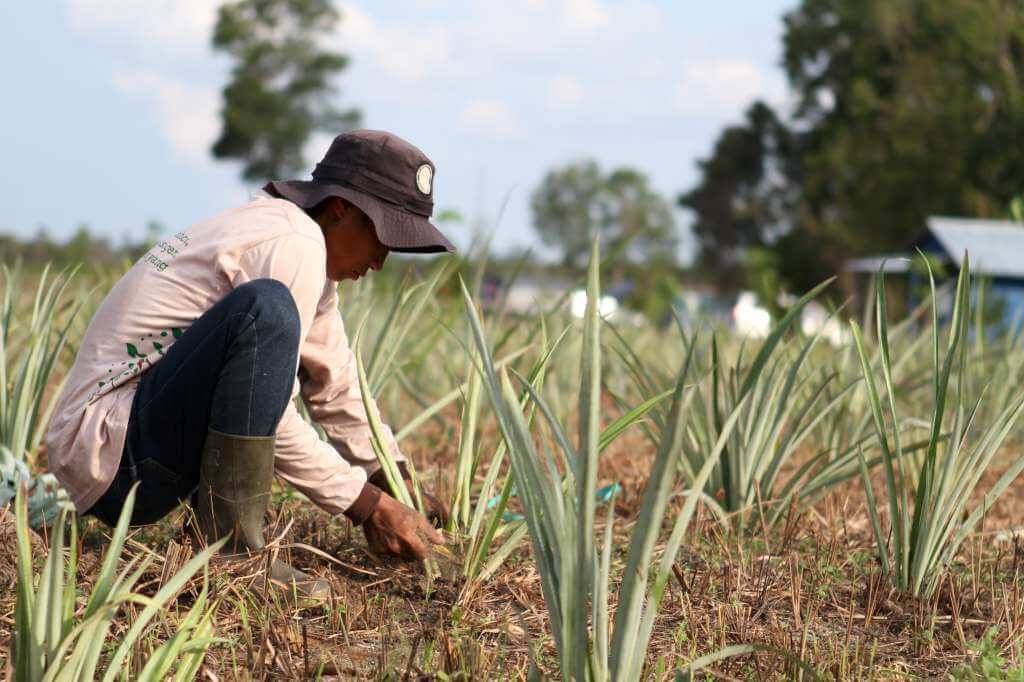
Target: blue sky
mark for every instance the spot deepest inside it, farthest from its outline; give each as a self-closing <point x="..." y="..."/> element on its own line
<point x="110" y="106"/>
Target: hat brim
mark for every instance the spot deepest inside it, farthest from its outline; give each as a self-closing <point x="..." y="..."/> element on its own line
<point x="396" y="229"/>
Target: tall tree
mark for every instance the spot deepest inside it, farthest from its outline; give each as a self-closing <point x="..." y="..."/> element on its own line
<point x="280" y="91"/>
<point x="576" y="201"/>
<point x="912" y="107"/>
<point x="903" y="109"/>
<point x="745" y="195"/>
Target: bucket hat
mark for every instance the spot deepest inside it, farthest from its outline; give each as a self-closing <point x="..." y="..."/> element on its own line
<point x="384" y="176"/>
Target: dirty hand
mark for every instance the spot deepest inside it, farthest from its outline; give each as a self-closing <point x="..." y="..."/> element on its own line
<point x="399" y="531"/>
<point x="436" y="512"/>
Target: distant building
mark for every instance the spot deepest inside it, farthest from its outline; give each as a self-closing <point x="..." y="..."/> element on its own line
<point x="996" y="251"/>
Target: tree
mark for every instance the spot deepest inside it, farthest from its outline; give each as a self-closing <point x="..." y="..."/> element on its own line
<point x="576" y="201"/>
<point x="903" y="110"/>
<point x="913" y="108"/>
<point x="280" y="89"/>
<point x="745" y="195"/>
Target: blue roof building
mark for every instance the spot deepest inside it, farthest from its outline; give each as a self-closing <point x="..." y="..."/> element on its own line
<point x="996" y="250"/>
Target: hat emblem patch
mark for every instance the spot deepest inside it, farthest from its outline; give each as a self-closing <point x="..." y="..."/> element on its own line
<point x="424" y="178"/>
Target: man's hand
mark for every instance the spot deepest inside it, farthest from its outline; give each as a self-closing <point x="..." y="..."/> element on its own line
<point x="436" y="512"/>
<point x="399" y="531"/>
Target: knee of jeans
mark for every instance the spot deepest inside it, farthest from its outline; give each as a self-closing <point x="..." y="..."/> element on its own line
<point x="274" y="305"/>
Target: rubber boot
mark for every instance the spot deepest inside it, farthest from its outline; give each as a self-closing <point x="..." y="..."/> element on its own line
<point x="235" y="475"/>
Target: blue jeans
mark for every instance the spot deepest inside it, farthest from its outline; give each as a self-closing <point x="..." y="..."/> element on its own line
<point x="232" y="371"/>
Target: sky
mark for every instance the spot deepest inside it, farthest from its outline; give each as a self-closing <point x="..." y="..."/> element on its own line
<point x="110" y="106"/>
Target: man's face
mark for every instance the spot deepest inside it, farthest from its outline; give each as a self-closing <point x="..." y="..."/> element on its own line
<point x="352" y="244"/>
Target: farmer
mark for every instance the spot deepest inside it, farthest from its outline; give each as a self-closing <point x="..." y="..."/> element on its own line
<point x="185" y="379"/>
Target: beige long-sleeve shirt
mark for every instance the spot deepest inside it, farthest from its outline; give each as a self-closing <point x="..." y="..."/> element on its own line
<point x="156" y="301"/>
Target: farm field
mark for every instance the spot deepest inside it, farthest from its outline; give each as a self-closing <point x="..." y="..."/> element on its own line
<point x="627" y="502"/>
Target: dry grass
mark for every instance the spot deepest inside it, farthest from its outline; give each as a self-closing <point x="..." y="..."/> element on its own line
<point x="809" y="586"/>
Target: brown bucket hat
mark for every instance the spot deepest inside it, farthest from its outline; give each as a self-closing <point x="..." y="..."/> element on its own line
<point x="387" y="178"/>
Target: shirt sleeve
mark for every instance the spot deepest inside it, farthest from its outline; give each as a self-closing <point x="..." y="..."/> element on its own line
<point x="330" y="387"/>
<point x="300" y="457"/>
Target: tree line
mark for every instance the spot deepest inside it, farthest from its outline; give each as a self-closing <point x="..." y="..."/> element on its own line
<point x="95" y="251"/>
<point x="902" y="110"/>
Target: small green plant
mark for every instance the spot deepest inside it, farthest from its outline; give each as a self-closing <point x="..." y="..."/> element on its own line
<point x="789" y="401"/>
<point x="29" y="348"/>
<point x="925" y="534"/>
<point x="31" y="341"/>
<point x="781" y="405"/>
<point x="481" y="534"/>
<point x="54" y="640"/>
<point x="560" y="513"/>
<point x="989" y="664"/>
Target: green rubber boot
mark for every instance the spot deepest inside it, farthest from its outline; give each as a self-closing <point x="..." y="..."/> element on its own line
<point x="235" y="475"/>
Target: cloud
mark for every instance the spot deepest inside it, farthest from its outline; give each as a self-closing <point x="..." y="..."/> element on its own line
<point x="543" y="30"/>
<point x="180" y="25"/>
<point x="584" y="15"/>
<point x="411" y="52"/>
<point x="186" y="114"/>
<point x="724" y="86"/>
<point x="490" y="117"/>
<point x="565" y="91"/>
